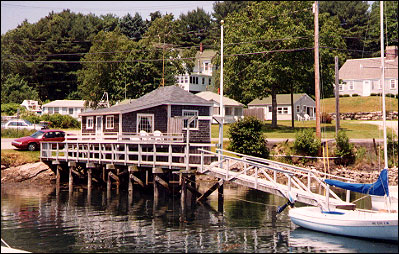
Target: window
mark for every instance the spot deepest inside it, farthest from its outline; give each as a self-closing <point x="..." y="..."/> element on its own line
<point x="297" y="109"/>
<point x="64" y="110"/>
<point x="145" y="122"/>
<point x="50" y="110"/>
<point x="279" y="110"/>
<point x="210" y="80"/>
<point x="109" y="122"/>
<point x="70" y="111"/>
<point x="341" y="87"/>
<point x="392" y="83"/>
<point x="56" y="110"/>
<point x="206" y="66"/>
<point x="304" y="109"/>
<point x="270" y="108"/>
<point x="203" y="81"/>
<point x="238" y="111"/>
<point x="229" y="111"/>
<point x="351" y="85"/>
<point x="285" y="110"/>
<point x="191" y="80"/>
<point x="185" y="79"/>
<point x="196" y="80"/>
<point x="190" y="113"/>
<point x="89" y="122"/>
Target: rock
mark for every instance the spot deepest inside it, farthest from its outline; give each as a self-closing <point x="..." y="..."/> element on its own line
<point x="31" y="172"/>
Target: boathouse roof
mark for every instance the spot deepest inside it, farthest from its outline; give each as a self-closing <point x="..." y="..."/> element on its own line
<point x="167" y="95"/>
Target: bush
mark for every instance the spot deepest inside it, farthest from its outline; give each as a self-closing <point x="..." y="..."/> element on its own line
<point x="326" y="118"/>
<point x="305" y="143"/>
<point x="344" y="149"/>
<point x="246" y="137"/>
<point x="346" y="95"/>
<point x="390" y="95"/>
<point x="392" y="149"/>
<point x="10" y="109"/>
<point x="373" y="94"/>
<point x="355" y="95"/>
<point x="61" y="121"/>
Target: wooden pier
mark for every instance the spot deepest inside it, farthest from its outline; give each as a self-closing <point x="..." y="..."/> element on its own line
<point x="169" y="161"/>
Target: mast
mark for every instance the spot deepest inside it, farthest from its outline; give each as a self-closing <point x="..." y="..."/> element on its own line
<point x="383" y="84"/>
<point x="221" y="111"/>
<point x="316" y="66"/>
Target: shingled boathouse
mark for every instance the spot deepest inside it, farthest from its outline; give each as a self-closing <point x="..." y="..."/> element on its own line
<point x="153" y="140"/>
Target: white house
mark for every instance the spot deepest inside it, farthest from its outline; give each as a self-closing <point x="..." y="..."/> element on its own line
<point x="363" y="76"/>
<point x="201" y="77"/>
<point x="32" y="105"/>
<point x="65" y="107"/>
<point x="233" y="110"/>
<point x="304" y="106"/>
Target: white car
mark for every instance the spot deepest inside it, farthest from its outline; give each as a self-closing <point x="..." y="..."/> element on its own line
<point x="23" y="124"/>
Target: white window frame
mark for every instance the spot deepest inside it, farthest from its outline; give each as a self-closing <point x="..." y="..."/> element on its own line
<point x="195" y="122"/>
<point x="379" y="84"/>
<point x="351" y="85"/>
<point x="341" y="87"/>
<point x="109" y="124"/>
<point x="392" y="83"/>
<point x="279" y="110"/>
<point x="90" y="122"/>
<point x="298" y="108"/>
<point x="139" y="116"/>
<point x="285" y="110"/>
<point x="50" y="110"/>
<point x="69" y="111"/>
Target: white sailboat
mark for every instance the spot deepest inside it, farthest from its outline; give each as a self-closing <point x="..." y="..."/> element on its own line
<point x="358" y="222"/>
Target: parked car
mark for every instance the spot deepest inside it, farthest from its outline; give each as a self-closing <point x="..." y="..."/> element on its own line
<point x="32" y="142"/>
<point x="23" y="124"/>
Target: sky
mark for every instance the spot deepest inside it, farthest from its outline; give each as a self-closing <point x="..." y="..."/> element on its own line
<point x="13" y="13"/>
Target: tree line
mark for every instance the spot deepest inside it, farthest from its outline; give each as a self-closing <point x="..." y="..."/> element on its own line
<point x="268" y="49"/>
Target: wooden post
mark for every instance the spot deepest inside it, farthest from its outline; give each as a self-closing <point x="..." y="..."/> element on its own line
<point x="156" y="172"/>
<point x="89" y="178"/>
<point x="109" y="187"/>
<point x="193" y="194"/>
<point x="130" y="189"/>
<point x="337" y="117"/>
<point x="220" y="197"/>
<point x="183" y="195"/>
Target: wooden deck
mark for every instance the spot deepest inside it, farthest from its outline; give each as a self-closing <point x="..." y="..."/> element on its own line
<point x="154" y="151"/>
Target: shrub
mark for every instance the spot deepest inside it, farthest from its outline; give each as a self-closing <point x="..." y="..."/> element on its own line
<point x="344" y="149"/>
<point x="10" y="109"/>
<point x="355" y="95"/>
<point x="373" y="94"/>
<point x="61" y="121"/>
<point x="305" y="143"/>
<point x="390" y="95"/>
<point x="326" y="118"/>
<point x="346" y="95"/>
<point x="246" y="137"/>
<point x="392" y="149"/>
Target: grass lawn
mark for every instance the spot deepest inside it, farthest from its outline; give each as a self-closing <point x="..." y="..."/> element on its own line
<point x="358" y="104"/>
<point x="354" y="129"/>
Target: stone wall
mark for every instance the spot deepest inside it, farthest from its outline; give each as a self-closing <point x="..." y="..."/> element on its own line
<point x="366" y="115"/>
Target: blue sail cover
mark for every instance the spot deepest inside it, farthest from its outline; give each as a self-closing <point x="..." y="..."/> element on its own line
<point x="379" y="188"/>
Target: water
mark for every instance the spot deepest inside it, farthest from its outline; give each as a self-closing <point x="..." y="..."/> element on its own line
<point x="37" y="220"/>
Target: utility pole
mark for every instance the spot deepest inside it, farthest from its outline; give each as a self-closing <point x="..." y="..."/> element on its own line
<point x="316" y="66"/>
<point x="337" y="117"/>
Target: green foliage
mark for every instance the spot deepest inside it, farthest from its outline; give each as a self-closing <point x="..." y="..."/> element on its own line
<point x="246" y="138"/>
<point x="10" y="109"/>
<point x="197" y="20"/>
<point x="15" y="89"/>
<point x="392" y="145"/>
<point x="133" y="27"/>
<point x="61" y="121"/>
<point x="344" y="149"/>
<point x="16" y="133"/>
<point x="306" y="143"/>
<point x="355" y="95"/>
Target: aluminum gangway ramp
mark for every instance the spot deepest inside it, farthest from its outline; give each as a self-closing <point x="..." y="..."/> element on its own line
<point x="288" y="181"/>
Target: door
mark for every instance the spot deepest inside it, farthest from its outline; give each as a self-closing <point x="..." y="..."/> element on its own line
<point x="99" y="125"/>
<point x="366" y="88"/>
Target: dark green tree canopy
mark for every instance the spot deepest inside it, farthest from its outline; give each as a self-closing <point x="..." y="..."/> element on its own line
<point x="133" y="27"/>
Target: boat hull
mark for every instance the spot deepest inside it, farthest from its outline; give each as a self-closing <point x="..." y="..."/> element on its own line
<point x="382" y="226"/>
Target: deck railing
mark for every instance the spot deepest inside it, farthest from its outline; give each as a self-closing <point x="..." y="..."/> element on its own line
<point x="283" y="178"/>
<point x="116" y="136"/>
<point x="165" y="151"/>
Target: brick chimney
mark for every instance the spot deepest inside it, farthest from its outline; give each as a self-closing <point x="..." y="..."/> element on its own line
<point x="391" y="52"/>
<point x="202" y="49"/>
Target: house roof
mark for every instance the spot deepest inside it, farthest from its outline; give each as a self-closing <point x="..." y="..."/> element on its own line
<point x="356" y="69"/>
<point x="211" y="96"/>
<point x="281" y="99"/>
<point x="206" y="55"/>
<point x="160" y="96"/>
<point x="66" y="103"/>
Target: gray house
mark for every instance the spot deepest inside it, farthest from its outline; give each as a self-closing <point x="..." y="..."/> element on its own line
<point x="233" y="110"/>
<point x="165" y="110"/>
<point x="363" y="76"/>
<point x="304" y="107"/>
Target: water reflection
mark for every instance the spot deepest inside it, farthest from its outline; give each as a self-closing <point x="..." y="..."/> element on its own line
<point x="78" y="221"/>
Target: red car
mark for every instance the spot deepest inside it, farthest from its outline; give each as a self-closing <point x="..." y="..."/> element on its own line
<point x="32" y="142"/>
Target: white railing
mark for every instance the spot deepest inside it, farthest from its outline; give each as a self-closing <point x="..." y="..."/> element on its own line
<point x="256" y="170"/>
<point x="115" y="136"/>
<point x="150" y="152"/>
